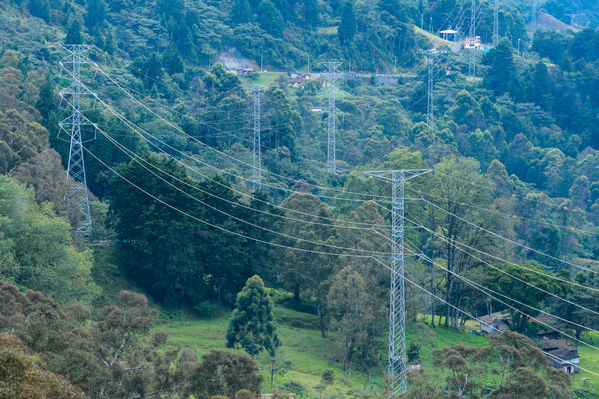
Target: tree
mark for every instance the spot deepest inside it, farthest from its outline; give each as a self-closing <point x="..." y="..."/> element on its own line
<point x="311" y="12"/>
<point x="38" y="248"/>
<point x="525" y="294"/>
<point x="251" y="325"/>
<point x="278" y="365"/>
<point x="352" y="312"/>
<point x="456" y="183"/>
<point x="96" y="12"/>
<point x="223" y="373"/>
<point x="21" y="376"/>
<point x="127" y="354"/>
<point x="347" y="28"/>
<point x="241" y="11"/>
<point x="500" y="77"/>
<point x="74" y="34"/>
<point x="40" y="9"/>
<point x="177" y="258"/>
<point x="301" y="270"/>
<point x="327" y="378"/>
<point x="270" y="18"/>
<point x="580" y="192"/>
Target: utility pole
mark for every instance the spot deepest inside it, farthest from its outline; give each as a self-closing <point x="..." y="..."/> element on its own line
<point x="472" y="65"/>
<point x="397" y="302"/>
<point x="496" y="23"/>
<point x="332" y="76"/>
<point x="72" y="126"/>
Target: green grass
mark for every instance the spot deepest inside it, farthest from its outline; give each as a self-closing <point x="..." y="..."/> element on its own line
<point x="109" y="276"/>
<point x="589" y="359"/>
<point x="264" y="78"/>
<point x="435" y="40"/>
<point x="309" y="353"/>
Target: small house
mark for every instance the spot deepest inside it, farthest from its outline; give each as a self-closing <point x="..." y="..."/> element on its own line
<point x="563" y="354"/>
<point x="494" y="323"/>
<point x="449" y="34"/>
<point x="472" y="43"/>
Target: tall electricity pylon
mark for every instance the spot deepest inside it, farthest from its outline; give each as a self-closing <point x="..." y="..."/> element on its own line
<point x="496" y="23"/>
<point x="257" y="144"/>
<point x="397" y="301"/>
<point x="257" y="160"/>
<point x="332" y="76"/>
<point x="72" y="126"/>
<point x="534" y="17"/>
<point x="472" y="64"/>
<point x="430" y="119"/>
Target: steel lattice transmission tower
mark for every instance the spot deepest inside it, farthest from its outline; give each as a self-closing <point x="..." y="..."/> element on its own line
<point x="496" y="23"/>
<point x="534" y="16"/>
<point x="72" y="126"/>
<point x="472" y="64"/>
<point x="257" y="158"/>
<point x="397" y="302"/>
<point x="430" y="56"/>
<point x="332" y="75"/>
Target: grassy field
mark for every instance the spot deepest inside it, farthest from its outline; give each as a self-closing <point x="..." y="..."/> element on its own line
<point x="309" y="353"/>
<point x="435" y="40"/>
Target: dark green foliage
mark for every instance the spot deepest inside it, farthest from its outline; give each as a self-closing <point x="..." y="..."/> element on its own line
<point x="528" y="296"/>
<point x="96" y="13"/>
<point x="347" y="28"/>
<point x="173" y="63"/>
<point x="74" y="34"/>
<point x="40" y="9"/>
<point x="270" y="18"/>
<point x="241" y="11"/>
<point x="177" y="258"/>
<point x="500" y="77"/>
<point x="235" y="372"/>
<point x="251" y="325"/>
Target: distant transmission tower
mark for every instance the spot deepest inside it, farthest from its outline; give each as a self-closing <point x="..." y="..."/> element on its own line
<point x="72" y="126"/>
<point x="534" y="16"/>
<point x="257" y="160"/>
<point x="496" y="23"/>
<point x="397" y="302"/>
<point x="430" y="120"/>
<point x="472" y="64"/>
<point x="332" y="76"/>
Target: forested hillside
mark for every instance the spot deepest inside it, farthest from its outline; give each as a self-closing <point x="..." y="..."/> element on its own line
<point x="282" y="285"/>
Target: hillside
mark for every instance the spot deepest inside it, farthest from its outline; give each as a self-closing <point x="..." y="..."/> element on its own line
<point x="252" y="170"/>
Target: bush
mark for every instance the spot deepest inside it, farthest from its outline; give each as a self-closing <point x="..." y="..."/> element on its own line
<point x="295" y="388"/>
<point x="206" y="309"/>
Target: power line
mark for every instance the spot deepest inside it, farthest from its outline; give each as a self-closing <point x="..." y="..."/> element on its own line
<point x="216" y="226"/>
<point x="486" y="291"/>
<point x="459" y="246"/>
<point x="240" y="219"/>
<point x="212" y="148"/>
<point x="513" y="216"/>
<point x="508" y="239"/>
<point x="470" y="315"/>
<point x="132" y="155"/>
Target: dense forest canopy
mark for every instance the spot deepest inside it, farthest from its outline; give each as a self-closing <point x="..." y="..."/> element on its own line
<point x="507" y="222"/>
